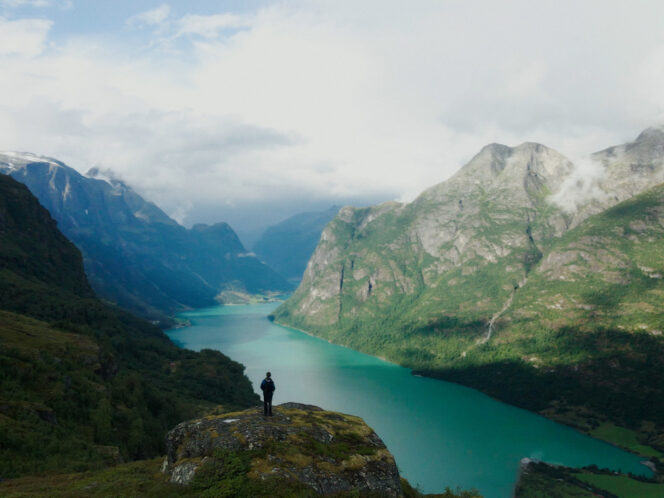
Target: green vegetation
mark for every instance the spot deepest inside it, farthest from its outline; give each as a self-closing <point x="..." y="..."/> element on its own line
<point x="623" y="486"/>
<point x="410" y="492"/>
<point x="577" y="334"/>
<point x="83" y="384"/>
<point x="134" y="255"/>
<point x="625" y="438"/>
<point x="141" y="478"/>
<point x="226" y="475"/>
<point x="540" y="480"/>
<point x="240" y="297"/>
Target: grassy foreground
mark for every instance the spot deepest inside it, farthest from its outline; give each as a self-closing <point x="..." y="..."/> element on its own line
<point x="144" y="478"/>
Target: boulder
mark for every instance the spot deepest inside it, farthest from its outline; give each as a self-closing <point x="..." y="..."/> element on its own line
<point x="328" y="452"/>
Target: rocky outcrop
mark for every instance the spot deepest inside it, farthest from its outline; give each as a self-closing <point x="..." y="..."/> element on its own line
<point x="326" y="451"/>
<point x="480" y="232"/>
<point x="463" y="246"/>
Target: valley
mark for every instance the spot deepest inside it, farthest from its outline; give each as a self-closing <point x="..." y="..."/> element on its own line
<point x="486" y="280"/>
<point x="136" y="256"/>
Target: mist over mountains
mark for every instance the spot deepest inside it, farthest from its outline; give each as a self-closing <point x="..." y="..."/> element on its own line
<point x="134" y="254"/>
<point x="512" y="277"/>
<point x="288" y="245"/>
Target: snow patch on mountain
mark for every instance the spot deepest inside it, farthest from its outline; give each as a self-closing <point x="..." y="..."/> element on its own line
<point x="15" y="159"/>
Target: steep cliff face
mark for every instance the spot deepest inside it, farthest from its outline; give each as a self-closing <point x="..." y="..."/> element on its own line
<point x="461" y="248"/>
<point x="134" y="254"/>
<point x="490" y="280"/>
<point x="32" y="247"/>
<point x="607" y="272"/>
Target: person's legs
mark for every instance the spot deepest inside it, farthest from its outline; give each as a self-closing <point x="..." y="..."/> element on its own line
<point x="265" y="404"/>
<point x="269" y="405"/>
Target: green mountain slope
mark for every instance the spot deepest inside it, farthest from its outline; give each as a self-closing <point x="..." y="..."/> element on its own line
<point x="482" y="281"/>
<point x="456" y="253"/>
<point x="134" y="254"/>
<point x="82" y="383"/>
<point x="287" y="246"/>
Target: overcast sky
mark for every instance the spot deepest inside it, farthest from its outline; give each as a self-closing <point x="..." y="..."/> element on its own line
<point x="250" y="111"/>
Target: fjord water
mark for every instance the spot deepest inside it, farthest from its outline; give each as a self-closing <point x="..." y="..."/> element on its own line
<point x="440" y="433"/>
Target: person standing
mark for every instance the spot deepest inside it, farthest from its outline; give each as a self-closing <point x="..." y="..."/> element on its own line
<point x="268" y="387"/>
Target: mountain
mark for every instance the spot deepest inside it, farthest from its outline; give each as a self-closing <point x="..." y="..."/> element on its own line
<point x="288" y="245"/>
<point x="476" y="236"/>
<point x="83" y="384"/>
<point x="487" y="279"/>
<point x="134" y="254"/>
<point x="624" y="171"/>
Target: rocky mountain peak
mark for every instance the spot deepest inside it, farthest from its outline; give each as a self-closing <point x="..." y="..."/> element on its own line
<point x="11" y="160"/>
<point x="526" y="170"/>
<point x="652" y="135"/>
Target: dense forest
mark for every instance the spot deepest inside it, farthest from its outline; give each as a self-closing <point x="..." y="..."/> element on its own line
<point x="82" y="383"/>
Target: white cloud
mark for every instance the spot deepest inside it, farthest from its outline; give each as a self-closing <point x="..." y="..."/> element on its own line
<point x="342" y="99"/>
<point x="156" y="16"/>
<point x="63" y="4"/>
<point x="581" y="186"/>
<point x="209" y="26"/>
<point x="25" y="3"/>
<point x="24" y="37"/>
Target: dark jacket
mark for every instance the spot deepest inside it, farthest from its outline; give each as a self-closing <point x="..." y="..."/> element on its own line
<point x="267" y="386"/>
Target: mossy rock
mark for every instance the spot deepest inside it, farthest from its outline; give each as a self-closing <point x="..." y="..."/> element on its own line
<point x="301" y="447"/>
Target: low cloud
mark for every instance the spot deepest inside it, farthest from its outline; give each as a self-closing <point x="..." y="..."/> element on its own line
<point x="326" y="102"/>
<point x="23" y="37"/>
<point x="582" y="186"/>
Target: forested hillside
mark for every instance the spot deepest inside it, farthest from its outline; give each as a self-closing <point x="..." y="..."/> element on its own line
<point x="135" y="255"/>
<point x="81" y="383"/>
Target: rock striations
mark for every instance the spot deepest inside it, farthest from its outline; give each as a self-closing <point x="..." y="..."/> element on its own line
<point x="301" y="445"/>
<point x="521" y="275"/>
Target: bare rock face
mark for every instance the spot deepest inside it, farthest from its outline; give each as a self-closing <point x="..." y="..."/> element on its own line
<point x="460" y="250"/>
<point x="480" y="230"/>
<point x="325" y="451"/>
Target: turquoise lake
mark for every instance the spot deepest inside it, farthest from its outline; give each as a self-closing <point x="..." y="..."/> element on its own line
<point x="440" y="433"/>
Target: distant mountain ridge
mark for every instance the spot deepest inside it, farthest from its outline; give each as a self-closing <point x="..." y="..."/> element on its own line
<point x="288" y="245"/>
<point x="84" y="384"/>
<point x="483" y="279"/>
<point x="134" y="254"/>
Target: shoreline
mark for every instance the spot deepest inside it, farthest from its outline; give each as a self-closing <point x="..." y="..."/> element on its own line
<point x="647" y="461"/>
<point x="344" y="346"/>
